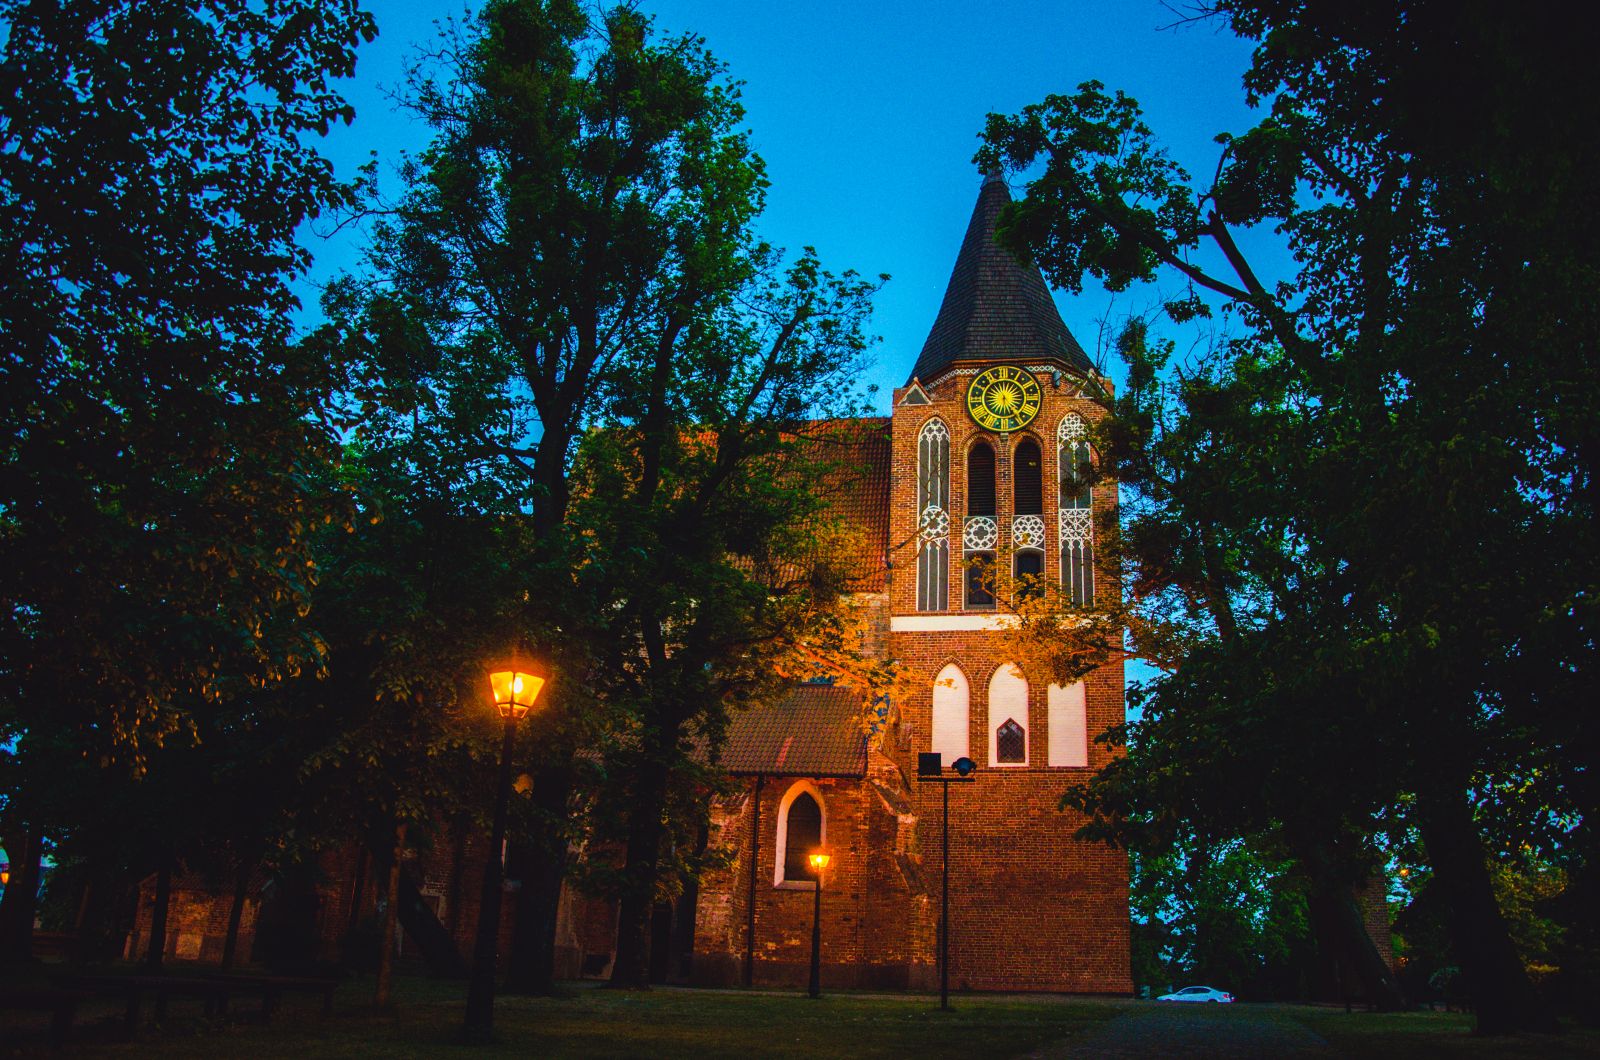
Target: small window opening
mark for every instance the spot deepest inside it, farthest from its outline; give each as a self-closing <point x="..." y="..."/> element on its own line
<point x="1029" y="569"/>
<point x="1011" y="743"/>
<point x="980" y="579"/>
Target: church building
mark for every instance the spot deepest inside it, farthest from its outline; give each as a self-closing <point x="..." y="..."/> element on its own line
<point x="974" y="466"/>
<point x="977" y="464"/>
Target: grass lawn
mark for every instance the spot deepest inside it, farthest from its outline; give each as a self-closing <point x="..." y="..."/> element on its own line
<point x="591" y="1022"/>
<point x="1431" y="1034"/>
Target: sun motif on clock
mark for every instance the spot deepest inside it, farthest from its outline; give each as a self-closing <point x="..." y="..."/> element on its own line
<point x="1003" y="398"/>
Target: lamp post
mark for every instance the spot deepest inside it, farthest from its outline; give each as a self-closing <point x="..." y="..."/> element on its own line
<point x="819" y="861"/>
<point x="515" y="690"/>
<point x="930" y="769"/>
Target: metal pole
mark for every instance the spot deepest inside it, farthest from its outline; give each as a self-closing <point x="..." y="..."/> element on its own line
<point x="944" y="911"/>
<point x="816" y="940"/>
<point x="755" y="856"/>
<point x="480" y="993"/>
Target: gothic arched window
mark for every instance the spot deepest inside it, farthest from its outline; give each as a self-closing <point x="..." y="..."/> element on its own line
<point x="951" y="710"/>
<point x="1008" y="702"/>
<point x="981" y="533"/>
<point x="1076" y="460"/>
<point x="1066" y="715"/>
<point x="800" y="833"/>
<point x="1027" y="516"/>
<point x="933" y="517"/>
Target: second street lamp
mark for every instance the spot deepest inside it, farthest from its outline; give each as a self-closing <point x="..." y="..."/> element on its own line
<point x="930" y="768"/>
<point x="819" y="861"/>
<point x="515" y="690"/>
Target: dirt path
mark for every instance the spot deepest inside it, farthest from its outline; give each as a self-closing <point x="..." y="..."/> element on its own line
<point x="1189" y="1031"/>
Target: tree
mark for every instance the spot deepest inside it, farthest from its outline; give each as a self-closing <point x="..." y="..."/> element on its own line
<point x="557" y="261"/>
<point x="1412" y="352"/>
<point x="155" y="160"/>
<point x="717" y="575"/>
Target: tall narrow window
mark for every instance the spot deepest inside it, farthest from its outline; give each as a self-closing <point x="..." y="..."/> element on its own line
<point x="981" y="533"/>
<point x="1075" y="461"/>
<point x="980" y="480"/>
<point x="933" y="517"/>
<point x="1066" y="713"/>
<point x="800" y="833"/>
<point x="1027" y="517"/>
<point x="1008" y="717"/>
<point x="951" y="708"/>
<point x="1027" y="483"/>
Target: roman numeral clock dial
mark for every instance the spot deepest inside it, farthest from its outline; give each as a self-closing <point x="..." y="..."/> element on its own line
<point x="1003" y="398"/>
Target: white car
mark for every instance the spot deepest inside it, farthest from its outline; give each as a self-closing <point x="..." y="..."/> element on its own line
<point x="1198" y="993"/>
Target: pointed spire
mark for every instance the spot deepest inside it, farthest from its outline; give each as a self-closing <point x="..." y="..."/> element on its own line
<point x="995" y="309"/>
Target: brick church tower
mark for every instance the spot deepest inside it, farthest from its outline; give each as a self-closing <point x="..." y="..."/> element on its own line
<point x="974" y="466"/>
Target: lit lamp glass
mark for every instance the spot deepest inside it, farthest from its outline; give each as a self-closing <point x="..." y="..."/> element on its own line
<point x="515" y="692"/>
<point x="819" y="861"/>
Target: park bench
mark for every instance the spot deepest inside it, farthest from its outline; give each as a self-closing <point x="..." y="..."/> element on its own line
<point x="62" y="1004"/>
<point x="134" y="989"/>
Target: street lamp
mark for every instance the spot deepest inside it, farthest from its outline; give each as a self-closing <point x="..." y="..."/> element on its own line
<point x="819" y="861"/>
<point x="515" y="689"/>
<point x="930" y="768"/>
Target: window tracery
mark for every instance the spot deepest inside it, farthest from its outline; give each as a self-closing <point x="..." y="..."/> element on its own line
<point x="933" y="517"/>
<point x="1075" y="460"/>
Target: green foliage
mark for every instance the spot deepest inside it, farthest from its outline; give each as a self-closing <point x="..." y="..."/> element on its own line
<point x="1228" y="914"/>
<point x="159" y="432"/>
<point x="1372" y="508"/>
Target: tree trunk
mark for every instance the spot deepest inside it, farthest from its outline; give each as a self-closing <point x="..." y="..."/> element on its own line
<point x="1341" y="926"/>
<point x="158" y="917"/>
<point x="357" y="889"/>
<point x="80" y="926"/>
<point x="631" y="969"/>
<point x="531" y="967"/>
<point x="458" y="865"/>
<point x="1503" y="997"/>
<point x="18" y="906"/>
<point x="230" y="943"/>
<point x="391" y="911"/>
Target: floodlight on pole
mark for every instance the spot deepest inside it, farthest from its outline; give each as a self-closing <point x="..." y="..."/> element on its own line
<point x="930" y="768"/>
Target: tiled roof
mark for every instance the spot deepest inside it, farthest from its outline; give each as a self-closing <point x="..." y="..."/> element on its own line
<point x="814" y="731"/>
<point x="856" y="488"/>
<point x="995" y="309"/>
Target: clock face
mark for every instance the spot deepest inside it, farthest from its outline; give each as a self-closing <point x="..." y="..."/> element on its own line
<point x="1003" y="398"/>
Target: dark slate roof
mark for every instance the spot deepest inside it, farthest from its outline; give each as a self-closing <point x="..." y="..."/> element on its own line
<point x="814" y="731"/>
<point x="995" y="309"/>
<point x="857" y="490"/>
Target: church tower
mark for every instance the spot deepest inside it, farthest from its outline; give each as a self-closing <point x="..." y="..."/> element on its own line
<point x="975" y="466"/>
<point x="985" y="437"/>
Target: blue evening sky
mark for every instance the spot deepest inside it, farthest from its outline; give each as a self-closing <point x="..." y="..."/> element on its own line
<point x="867" y="115"/>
